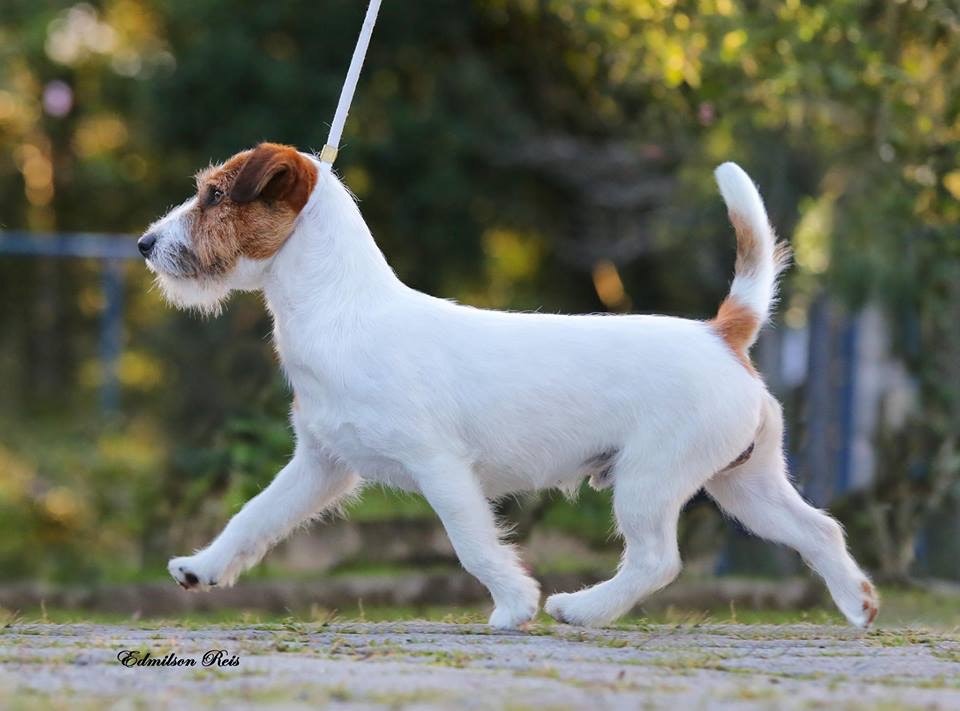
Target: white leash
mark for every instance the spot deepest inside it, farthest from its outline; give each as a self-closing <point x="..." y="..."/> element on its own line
<point x="332" y="147"/>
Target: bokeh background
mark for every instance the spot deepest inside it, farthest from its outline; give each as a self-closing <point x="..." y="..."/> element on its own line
<point x="518" y="154"/>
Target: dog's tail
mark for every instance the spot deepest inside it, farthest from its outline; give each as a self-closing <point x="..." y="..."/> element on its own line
<point x="760" y="259"/>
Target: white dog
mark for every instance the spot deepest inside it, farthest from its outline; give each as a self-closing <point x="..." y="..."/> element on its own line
<point x="465" y="405"/>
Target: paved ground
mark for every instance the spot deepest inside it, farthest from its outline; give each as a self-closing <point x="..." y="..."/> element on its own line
<point x="450" y="666"/>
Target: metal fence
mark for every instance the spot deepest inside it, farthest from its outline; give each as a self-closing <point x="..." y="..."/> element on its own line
<point x="111" y="250"/>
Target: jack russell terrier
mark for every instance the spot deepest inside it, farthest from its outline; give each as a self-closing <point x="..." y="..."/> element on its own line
<point x="464" y="405"/>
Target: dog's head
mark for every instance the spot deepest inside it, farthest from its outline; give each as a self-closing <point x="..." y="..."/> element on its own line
<point x="222" y="238"/>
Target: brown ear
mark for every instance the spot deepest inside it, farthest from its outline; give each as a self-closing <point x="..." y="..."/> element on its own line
<point x="275" y="172"/>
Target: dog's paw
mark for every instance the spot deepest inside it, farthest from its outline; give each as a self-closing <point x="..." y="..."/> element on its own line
<point x="512" y="617"/>
<point x="869" y="606"/>
<point x="193" y="573"/>
<point x="556" y="606"/>
<point x="859" y="602"/>
<point x="577" y="608"/>
<point x="517" y="611"/>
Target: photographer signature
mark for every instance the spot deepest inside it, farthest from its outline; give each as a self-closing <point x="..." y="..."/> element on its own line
<point x="210" y="658"/>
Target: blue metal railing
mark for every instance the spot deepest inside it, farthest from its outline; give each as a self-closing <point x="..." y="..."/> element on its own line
<point x="75" y="244"/>
<point x="111" y="249"/>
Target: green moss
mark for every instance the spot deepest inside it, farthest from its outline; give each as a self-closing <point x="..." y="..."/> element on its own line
<point x="544" y="672"/>
<point x="914" y="610"/>
<point x="399" y="699"/>
<point x="753" y="693"/>
<point x="947" y="655"/>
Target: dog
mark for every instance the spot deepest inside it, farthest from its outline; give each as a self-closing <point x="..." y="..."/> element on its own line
<point x="464" y="405"/>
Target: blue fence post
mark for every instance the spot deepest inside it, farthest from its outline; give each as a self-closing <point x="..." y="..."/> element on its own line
<point x="111" y="335"/>
<point x="813" y="460"/>
<point x="850" y="337"/>
<point x="111" y="250"/>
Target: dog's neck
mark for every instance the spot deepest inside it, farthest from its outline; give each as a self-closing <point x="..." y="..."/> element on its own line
<point x="330" y="268"/>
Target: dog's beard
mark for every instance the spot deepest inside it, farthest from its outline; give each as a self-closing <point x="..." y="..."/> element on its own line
<point x="185" y="283"/>
<point x="203" y="294"/>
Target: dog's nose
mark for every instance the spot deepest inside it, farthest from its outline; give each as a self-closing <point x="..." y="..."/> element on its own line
<point x="145" y="244"/>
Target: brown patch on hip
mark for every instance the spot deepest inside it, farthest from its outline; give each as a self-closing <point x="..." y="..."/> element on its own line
<point x="737" y="325"/>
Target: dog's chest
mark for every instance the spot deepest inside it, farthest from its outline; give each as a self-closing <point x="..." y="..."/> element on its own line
<point x="373" y="452"/>
<point x="342" y="411"/>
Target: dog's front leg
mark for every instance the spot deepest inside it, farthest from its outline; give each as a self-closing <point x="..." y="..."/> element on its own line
<point x="309" y="484"/>
<point x="451" y="488"/>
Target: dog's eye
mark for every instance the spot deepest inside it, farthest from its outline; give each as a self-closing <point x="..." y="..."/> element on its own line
<point x="215" y="196"/>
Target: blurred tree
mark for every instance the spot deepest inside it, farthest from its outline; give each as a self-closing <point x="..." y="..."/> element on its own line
<point x="511" y="153"/>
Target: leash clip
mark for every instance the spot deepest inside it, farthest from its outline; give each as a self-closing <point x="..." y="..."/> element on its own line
<point x="328" y="154"/>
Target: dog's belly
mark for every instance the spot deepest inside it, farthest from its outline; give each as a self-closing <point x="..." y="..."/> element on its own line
<point x="382" y="470"/>
<point x="378" y="469"/>
<point x="497" y="480"/>
<point x="373" y="458"/>
<point x="365" y="454"/>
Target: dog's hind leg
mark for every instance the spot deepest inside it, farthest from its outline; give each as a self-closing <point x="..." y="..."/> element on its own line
<point x="308" y="485"/>
<point x="760" y="496"/>
<point x="451" y="488"/>
<point x="647" y="498"/>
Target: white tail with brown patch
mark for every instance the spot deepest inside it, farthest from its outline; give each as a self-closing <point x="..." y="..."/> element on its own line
<point x="760" y="260"/>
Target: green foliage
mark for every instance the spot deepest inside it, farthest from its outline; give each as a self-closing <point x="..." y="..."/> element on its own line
<point x="588" y="517"/>
<point x="75" y="502"/>
<point x="846" y="112"/>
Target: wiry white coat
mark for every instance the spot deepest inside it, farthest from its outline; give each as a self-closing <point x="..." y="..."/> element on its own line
<point x="463" y="404"/>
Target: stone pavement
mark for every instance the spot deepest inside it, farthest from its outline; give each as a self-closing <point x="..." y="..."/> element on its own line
<point x="430" y="665"/>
